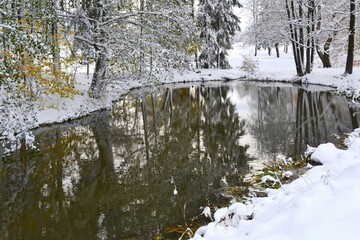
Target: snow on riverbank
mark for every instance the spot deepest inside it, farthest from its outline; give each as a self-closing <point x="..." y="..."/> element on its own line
<point x="51" y="109"/>
<point x="322" y="204"/>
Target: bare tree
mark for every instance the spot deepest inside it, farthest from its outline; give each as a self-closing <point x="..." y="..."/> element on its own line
<point x="351" y="41"/>
<point x="301" y="20"/>
<point x="132" y="39"/>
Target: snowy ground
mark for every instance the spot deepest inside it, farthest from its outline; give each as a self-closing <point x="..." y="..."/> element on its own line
<point x="51" y="109"/>
<point x="321" y="204"/>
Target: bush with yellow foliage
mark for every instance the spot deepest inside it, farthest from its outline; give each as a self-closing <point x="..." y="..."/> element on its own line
<point x="28" y="59"/>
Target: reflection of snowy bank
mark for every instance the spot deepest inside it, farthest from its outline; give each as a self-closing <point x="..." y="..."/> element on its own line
<point x="323" y="203"/>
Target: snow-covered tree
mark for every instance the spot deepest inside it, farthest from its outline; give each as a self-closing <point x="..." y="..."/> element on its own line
<point x="30" y="64"/>
<point x="351" y="41"/>
<point x="30" y="40"/>
<point x="218" y="24"/>
<point x="311" y="26"/>
<point x="330" y="21"/>
<point x="268" y="26"/>
<point x="301" y="22"/>
<point x="133" y="39"/>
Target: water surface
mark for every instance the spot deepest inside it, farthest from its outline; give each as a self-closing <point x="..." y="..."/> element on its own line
<point x="112" y="175"/>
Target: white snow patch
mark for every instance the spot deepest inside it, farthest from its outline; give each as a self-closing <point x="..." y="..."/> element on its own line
<point x="269" y="178"/>
<point x="287" y="174"/>
<point x="207" y="212"/>
<point x="321" y="204"/>
<point x="326" y="153"/>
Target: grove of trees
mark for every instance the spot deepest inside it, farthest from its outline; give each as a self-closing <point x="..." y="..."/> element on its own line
<point x="325" y="27"/>
<point x="41" y="40"/>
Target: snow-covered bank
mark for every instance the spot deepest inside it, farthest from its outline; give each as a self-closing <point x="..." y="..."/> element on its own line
<point x="54" y="109"/>
<point x="321" y="204"/>
<point x="51" y="109"/>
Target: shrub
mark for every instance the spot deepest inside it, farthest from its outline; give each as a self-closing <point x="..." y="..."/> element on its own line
<point x="249" y="65"/>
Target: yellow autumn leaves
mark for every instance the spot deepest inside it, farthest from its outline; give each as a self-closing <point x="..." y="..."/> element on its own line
<point x="40" y="72"/>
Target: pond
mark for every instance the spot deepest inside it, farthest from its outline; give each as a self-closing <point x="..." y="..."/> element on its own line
<point x="112" y="175"/>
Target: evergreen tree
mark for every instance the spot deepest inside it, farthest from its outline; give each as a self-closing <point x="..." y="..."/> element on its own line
<point x="218" y="24"/>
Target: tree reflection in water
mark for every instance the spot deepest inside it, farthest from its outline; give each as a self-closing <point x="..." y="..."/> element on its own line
<point x="285" y="120"/>
<point x="109" y="175"/>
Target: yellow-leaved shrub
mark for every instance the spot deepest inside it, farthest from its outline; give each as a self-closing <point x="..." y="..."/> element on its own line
<point x="37" y="75"/>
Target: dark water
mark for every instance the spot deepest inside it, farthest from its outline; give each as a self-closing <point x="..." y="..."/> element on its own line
<point x="109" y="176"/>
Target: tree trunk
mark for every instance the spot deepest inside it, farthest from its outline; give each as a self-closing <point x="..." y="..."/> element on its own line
<point x="351" y="41"/>
<point x="301" y="33"/>
<point x="196" y="44"/>
<point x="277" y="50"/>
<point x="55" y="48"/>
<point x="97" y="85"/>
<point x="142" y="55"/>
<point x="294" y="38"/>
<point x="2" y="150"/>
<point x="218" y="58"/>
<point x="292" y="33"/>
<point x="313" y="12"/>
<point x="310" y="39"/>
<point x="298" y="49"/>
<point x="324" y="54"/>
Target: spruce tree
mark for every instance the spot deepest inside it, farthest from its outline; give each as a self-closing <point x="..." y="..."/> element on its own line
<point x="218" y="25"/>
